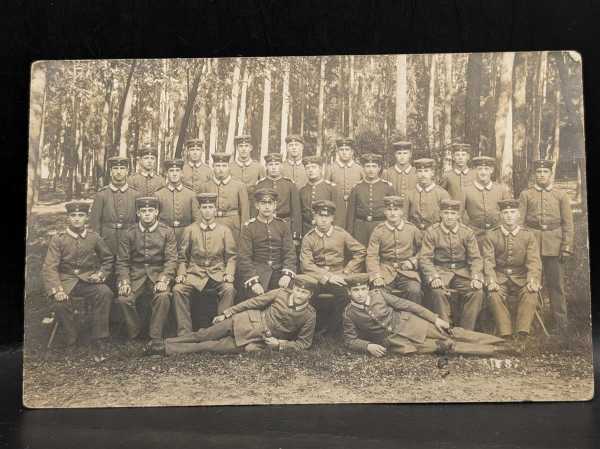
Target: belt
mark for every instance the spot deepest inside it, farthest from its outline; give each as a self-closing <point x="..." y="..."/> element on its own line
<point x="227" y="213"/>
<point x="75" y="271"/>
<point x="178" y="224"/>
<point x="395" y="263"/>
<point x="542" y="227"/>
<point x="483" y="226"/>
<point x="451" y="265"/>
<point x="282" y="216"/>
<point x="511" y="270"/>
<point x="116" y="225"/>
<point x="205" y="263"/>
<point x="370" y="218"/>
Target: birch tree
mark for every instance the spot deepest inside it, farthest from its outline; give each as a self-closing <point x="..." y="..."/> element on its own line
<point x="266" y="114"/>
<point x="233" y="108"/>
<point x="36" y="123"/>
<point x="285" y="106"/>
<point x="503" y="123"/>
<point x="401" y="96"/>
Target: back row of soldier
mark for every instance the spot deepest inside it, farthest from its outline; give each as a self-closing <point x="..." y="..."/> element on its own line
<point x="194" y="231"/>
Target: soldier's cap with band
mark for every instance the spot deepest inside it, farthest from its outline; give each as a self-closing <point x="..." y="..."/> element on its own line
<point x="78" y="206"/>
<point x="401" y="145"/>
<point x="480" y="161"/>
<point x="294" y="138"/>
<point x="273" y="157"/>
<point x="221" y="157"/>
<point x="543" y="163"/>
<point x="170" y="163"/>
<point x="344" y="142"/>
<point x="306" y="282"/>
<point x="324" y="207"/>
<point x="306" y="160"/>
<point x="207" y="198"/>
<point x="117" y="161"/>
<point x="424" y="162"/>
<point x="242" y="138"/>
<point x="147" y="201"/>
<point x="448" y="204"/>
<point x="460" y="146"/>
<point x="371" y="158"/>
<point x="148" y="150"/>
<point x="508" y="204"/>
<point x="194" y="143"/>
<point x="393" y="200"/>
<point x="266" y="194"/>
<point x="357" y="279"/>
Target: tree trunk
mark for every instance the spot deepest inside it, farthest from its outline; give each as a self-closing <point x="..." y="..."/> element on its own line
<point x="503" y="122"/>
<point x="36" y="124"/>
<point x="449" y="91"/>
<point x="555" y="150"/>
<point x="214" y="130"/>
<point x="104" y="124"/>
<point x="538" y="104"/>
<point x="431" y="104"/>
<point x="351" y="97"/>
<point x="40" y="147"/>
<point x="124" y="113"/>
<point x="472" y="101"/>
<point x="243" y="99"/>
<point x="520" y="125"/>
<point x="401" y="96"/>
<point x="266" y="115"/>
<point x="321" y="105"/>
<point x="285" y="106"/>
<point x="233" y="105"/>
<point x="189" y="106"/>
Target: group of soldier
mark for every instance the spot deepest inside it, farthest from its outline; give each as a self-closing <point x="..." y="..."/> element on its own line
<point x="387" y="258"/>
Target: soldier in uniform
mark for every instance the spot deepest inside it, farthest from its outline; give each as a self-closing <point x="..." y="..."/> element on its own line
<point x="315" y="189"/>
<point x="267" y="258"/>
<point x="146" y="181"/>
<point x="402" y="174"/>
<point x="423" y="202"/>
<point x="207" y="259"/>
<point x="376" y="321"/>
<point x="178" y="205"/>
<point x="392" y="254"/>
<point x="450" y="259"/>
<point x="113" y="210"/>
<point x="195" y="171"/>
<point x="245" y="169"/>
<point x="322" y="256"/>
<point x="460" y="177"/>
<point x="482" y="197"/>
<point x="232" y="196"/>
<point x="546" y="211"/>
<point x="293" y="167"/>
<point x="288" y="203"/>
<point x="281" y="320"/>
<point x="365" y="206"/>
<point x="146" y="264"/>
<point x="344" y="173"/>
<point x="76" y="266"/>
<point x="512" y="268"/>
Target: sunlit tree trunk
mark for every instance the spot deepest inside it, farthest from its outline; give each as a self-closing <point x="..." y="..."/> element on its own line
<point x="124" y="114"/>
<point x="285" y="106"/>
<point x="538" y="104"/>
<point x="36" y="123"/>
<point x="431" y="103"/>
<point x="449" y="91"/>
<point x="351" y="97"/>
<point x="503" y="122"/>
<point x="520" y="117"/>
<point x="233" y="105"/>
<point x="266" y="115"/>
<point x="242" y="114"/>
<point x="401" y="96"/>
<point x="214" y="131"/>
<point x="321" y="105"/>
<point x="472" y="101"/>
<point x="189" y="106"/>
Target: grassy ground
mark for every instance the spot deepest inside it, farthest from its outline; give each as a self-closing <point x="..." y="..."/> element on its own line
<point x="327" y="373"/>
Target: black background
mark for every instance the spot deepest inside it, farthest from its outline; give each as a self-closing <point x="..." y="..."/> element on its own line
<point x="45" y="29"/>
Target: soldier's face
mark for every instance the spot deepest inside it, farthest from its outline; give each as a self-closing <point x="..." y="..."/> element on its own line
<point x="266" y="208"/>
<point x="148" y="162"/>
<point x="147" y="215"/>
<point x="394" y="214"/>
<point x="323" y="222"/>
<point x="174" y="175"/>
<point x="313" y="171"/>
<point x="274" y="169"/>
<point x="510" y="217"/>
<point x="244" y="150"/>
<point x="460" y="158"/>
<point x="195" y="154"/>
<point x="402" y="157"/>
<point x="345" y="153"/>
<point x="78" y="220"/>
<point x="301" y="295"/>
<point x="208" y="211"/>
<point x="484" y="174"/>
<point x="294" y="149"/>
<point x="424" y="176"/>
<point x="118" y="174"/>
<point x="449" y="218"/>
<point x="371" y="170"/>
<point x="221" y="170"/>
<point x="543" y="176"/>
<point x="359" y="293"/>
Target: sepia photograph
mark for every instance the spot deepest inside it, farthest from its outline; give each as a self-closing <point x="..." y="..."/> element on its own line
<point x="307" y="230"/>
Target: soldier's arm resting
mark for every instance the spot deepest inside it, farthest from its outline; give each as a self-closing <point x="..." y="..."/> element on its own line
<point x="170" y="258"/>
<point x="296" y="215"/>
<point x="290" y="264"/>
<point x="258" y="302"/>
<point x="358" y="252"/>
<point x="243" y="204"/>
<point x="426" y="257"/>
<point x="474" y="258"/>
<point x="96" y="213"/>
<point x="304" y="338"/>
<point x="351" y="339"/>
<point x="533" y="261"/>
<point x="373" y="259"/>
<point x="489" y="260"/>
<point x="122" y="265"/>
<point x="50" y="267"/>
<point x="566" y="217"/>
<point x="246" y="267"/>
<point x="183" y="254"/>
<point x="230" y="253"/>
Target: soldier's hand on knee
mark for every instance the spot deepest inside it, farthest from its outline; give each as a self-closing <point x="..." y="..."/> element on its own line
<point x="218" y="319"/>
<point x="533" y="286"/>
<point x="95" y="278"/>
<point x="272" y="342"/>
<point x="180" y="279"/>
<point x="124" y="290"/>
<point x="284" y="281"/>
<point x="407" y="266"/>
<point x="442" y="325"/>
<point x="228" y="278"/>
<point x="258" y="289"/>
<point x="437" y="283"/>
<point x="61" y="296"/>
<point x="564" y="256"/>
<point x="376" y="350"/>
<point x="476" y="284"/>
<point x="493" y="286"/>
<point x="160" y="287"/>
<point x="337" y="280"/>
<point x="378" y="282"/>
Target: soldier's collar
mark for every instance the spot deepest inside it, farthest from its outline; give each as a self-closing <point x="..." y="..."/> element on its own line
<point x="291" y="304"/>
<point x="243" y="163"/>
<point x="222" y="181"/>
<point x="514" y="232"/>
<point x="539" y="188"/>
<point x="406" y="171"/>
<point x="448" y="231"/>
<point x="205" y="226"/>
<point x="263" y="221"/>
<point x="482" y="187"/>
<point x="150" y="229"/>
<point x="294" y="162"/>
<point x="121" y="189"/>
<point x="429" y="188"/>
<point x="172" y="188"/>
<point x="372" y="182"/>
<point x="146" y="174"/>
<point x="464" y="171"/>
<point x="328" y="233"/>
<point x="392" y="228"/>
<point x="342" y="165"/>
<point x="75" y="235"/>
<point x="362" y="306"/>
<point x="195" y="164"/>
<point x="273" y="179"/>
<point x="316" y="183"/>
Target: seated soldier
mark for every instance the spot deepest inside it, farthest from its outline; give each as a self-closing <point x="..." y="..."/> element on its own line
<point x="376" y="321"/>
<point x="146" y="264"/>
<point x="280" y="319"/>
<point x="207" y="259"/>
<point x="450" y="261"/>
<point x="512" y="267"/>
<point x="322" y="256"/>
<point x="76" y="266"/>
<point x="392" y="252"/>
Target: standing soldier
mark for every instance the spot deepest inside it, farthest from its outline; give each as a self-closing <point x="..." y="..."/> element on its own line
<point x="292" y="167"/>
<point x="178" y="206"/>
<point x="267" y="258"/>
<point x="482" y="197"/>
<point x="315" y="189"/>
<point x="207" y="259"/>
<point x="402" y="174"/>
<point x="288" y="203"/>
<point x="76" y="265"/>
<point x="423" y="202"/>
<point x="232" y="196"/>
<point x="113" y="210"/>
<point x="323" y="256"/>
<point x="245" y="169"/>
<point x="450" y="261"/>
<point x="365" y="206"/>
<point x="460" y="177"/>
<point x="344" y="173"/>
<point x="512" y="268"/>
<point x="546" y="211"/>
<point x="146" y="181"/>
<point x="146" y="264"/>
<point x="195" y="171"/>
<point x="392" y="254"/>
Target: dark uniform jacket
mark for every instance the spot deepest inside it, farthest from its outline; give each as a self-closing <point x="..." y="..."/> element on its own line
<point x="547" y="213"/>
<point x="455" y="182"/>
<point x="113" y="212"/>
<point x="264" y="248"/>
<point x="311" y="192"/>
<point x="384" y="314"/>
<point x="146" y="183"/>
<point x="273" y="313"/>
<point x="178" y="207"/>
<point x="511" y="255"/>
<point x="195" y="174"/>
<point x="344" y="176"/>
<point x="446" y="253"/>
<point x="366" y="201"/>
<point x="147" y="254"/>
<point x="72" y="258"/>
<point x="481" y="205"/>
<point x="295" y="171"/>
<point x="403" y="180"/>
<point x="423" y="205"/>
<point x="288" y="203"/>
<point x="390" y="246"/>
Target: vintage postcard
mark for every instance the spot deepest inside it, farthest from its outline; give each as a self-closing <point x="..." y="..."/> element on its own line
<point x="306" y="230"/>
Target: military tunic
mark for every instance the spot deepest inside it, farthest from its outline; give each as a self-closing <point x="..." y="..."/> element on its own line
<point x="146" y="183"/>
<point x="295" y="171"/>
<point x="288" y="202"/>
<point x="455" y="182"/>
<point x="404" y="180"/>
<point x="481" y="206"/>
<point x="423" y="205"/>
<point x="311" y="192"/>
<point x="344" y="176"/>
<point x="365" y="208"/>
<point x="178" y="208"/>
<point x="248" y="173"/>
<point x="194" y="174"/>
